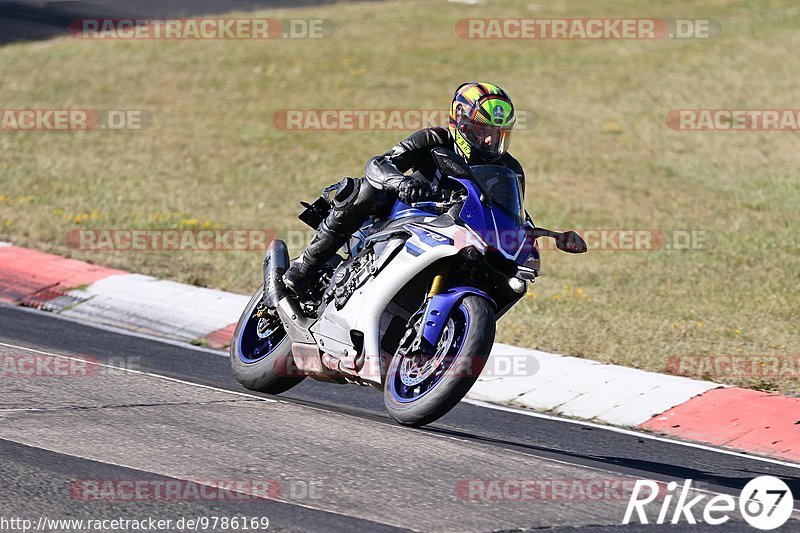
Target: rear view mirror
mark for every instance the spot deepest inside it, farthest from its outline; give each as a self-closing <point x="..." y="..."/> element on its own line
<point x="571" y="242"/>
<point x="568" y="241"/>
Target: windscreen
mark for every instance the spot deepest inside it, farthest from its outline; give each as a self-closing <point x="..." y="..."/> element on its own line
<point x="504" y="191"/>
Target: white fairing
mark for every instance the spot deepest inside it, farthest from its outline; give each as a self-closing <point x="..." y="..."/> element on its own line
<point x="364" y="308"/>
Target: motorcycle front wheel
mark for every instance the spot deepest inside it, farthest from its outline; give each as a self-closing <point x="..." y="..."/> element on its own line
<point x="421" y="388"/>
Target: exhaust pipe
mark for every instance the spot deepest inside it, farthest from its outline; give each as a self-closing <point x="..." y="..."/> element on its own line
<point x="276" y="263"/>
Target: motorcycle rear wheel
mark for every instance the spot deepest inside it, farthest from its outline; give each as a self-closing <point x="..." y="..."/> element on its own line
<point x="261" y="352"/>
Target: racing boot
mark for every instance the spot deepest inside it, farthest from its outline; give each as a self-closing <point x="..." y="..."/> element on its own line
<point x="304" y="270"/>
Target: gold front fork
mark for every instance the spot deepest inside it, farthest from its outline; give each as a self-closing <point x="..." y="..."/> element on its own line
<point x="440" y="279"/>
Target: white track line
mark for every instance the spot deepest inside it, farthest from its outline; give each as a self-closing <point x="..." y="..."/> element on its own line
<point x="631" y="432"/>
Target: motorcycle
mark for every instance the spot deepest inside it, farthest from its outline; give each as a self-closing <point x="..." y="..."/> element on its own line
<point x="412" y="307"/>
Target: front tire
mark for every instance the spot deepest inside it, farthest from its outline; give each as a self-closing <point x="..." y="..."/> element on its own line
<point x="261" y="352"/>
<point x="418" y="395"/>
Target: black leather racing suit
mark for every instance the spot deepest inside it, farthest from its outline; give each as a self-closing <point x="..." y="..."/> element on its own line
<point x="373" y="195"/>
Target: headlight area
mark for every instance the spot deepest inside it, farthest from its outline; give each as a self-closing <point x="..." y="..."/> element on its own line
<point x="490" y="272"/>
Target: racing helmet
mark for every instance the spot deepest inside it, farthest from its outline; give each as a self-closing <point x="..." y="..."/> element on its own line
<point x="481" y="119"/>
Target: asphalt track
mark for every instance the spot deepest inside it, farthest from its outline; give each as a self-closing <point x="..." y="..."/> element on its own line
<point x="26" y="20"/>
<point x="334" y="441"/>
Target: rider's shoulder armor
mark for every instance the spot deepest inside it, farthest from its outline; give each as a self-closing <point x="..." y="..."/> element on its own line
<point x="412" y="150"/>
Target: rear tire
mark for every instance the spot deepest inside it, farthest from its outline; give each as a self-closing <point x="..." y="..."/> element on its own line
<point x="271" y="372"/>
<point x="465" y="365"/>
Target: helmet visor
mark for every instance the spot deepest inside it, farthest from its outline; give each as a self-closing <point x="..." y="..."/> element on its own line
<point x="489" y="140"/>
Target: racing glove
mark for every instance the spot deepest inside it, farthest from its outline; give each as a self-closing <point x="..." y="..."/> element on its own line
<point x="414" y="190"/>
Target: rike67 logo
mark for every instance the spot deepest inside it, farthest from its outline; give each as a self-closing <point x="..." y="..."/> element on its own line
<point x="765" y="503"/>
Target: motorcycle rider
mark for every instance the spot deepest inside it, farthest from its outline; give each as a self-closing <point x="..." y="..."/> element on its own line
<point x="481" y="119"/>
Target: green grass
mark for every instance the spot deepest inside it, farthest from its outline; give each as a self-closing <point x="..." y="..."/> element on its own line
<point x="601" y="156"/>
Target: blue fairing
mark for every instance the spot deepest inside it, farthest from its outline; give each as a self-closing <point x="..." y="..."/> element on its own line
<point x="498" y="219"/>
<point x="403" y="210"/>
<point x="439" y="307"/>
<point x="493" y="210"/>
<point x="495" y="226"/>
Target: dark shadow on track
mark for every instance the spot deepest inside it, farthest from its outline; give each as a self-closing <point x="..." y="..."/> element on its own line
<point x="30" y="20"/>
